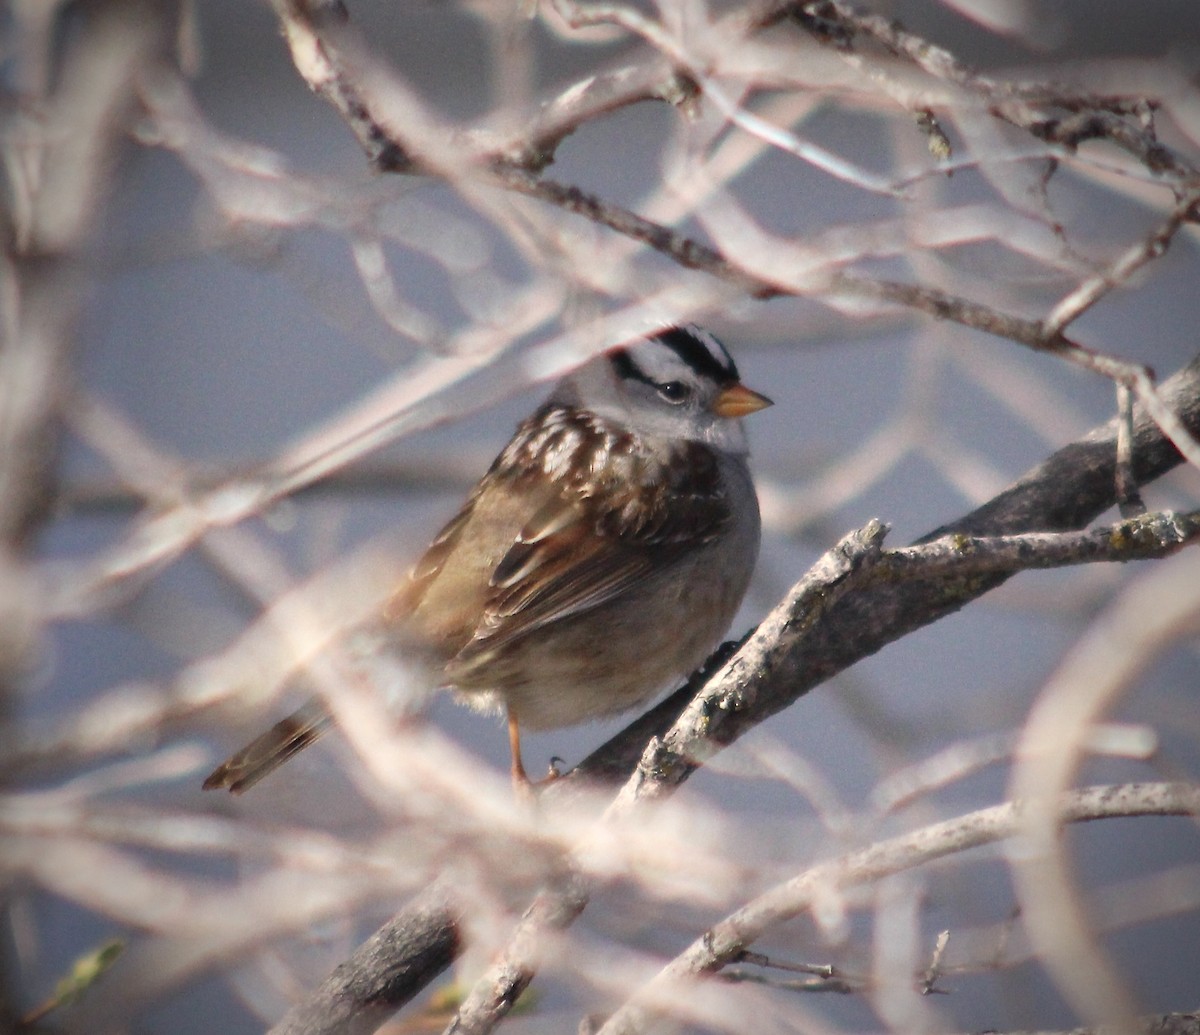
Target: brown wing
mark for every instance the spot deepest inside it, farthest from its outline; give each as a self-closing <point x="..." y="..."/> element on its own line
<point x="616" y="514"/>
<point x="408" y="597"/>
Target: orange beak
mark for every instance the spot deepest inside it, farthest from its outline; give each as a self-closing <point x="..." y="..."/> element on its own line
<point x="738" y="401"/>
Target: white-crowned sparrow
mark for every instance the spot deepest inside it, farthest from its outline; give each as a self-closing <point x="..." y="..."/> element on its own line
<point x="603" y="554"/>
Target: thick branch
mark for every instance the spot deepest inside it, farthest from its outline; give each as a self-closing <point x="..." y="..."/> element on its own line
<point x="1066" y="491"/>
<point x="384" y="973"/>
<point x="770" y="667"/>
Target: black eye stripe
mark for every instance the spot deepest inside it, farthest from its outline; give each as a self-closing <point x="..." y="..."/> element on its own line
<point x="691" y="350"/>
<point x="628" y="370"/>
<point x="674" y="392"/>
<point x="697" y="355"/>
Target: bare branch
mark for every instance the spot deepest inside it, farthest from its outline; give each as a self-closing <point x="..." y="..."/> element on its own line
<point x="723" y="942"/>
<point x="319" y="34"/>
<point x="384" y="973"/>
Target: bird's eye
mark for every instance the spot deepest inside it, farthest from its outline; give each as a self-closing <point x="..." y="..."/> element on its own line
<point x="674" y="392"/>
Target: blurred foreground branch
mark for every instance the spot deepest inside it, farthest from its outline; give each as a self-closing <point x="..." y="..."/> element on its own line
<point x="61" y="134"/>
<point x="724" y="942"/>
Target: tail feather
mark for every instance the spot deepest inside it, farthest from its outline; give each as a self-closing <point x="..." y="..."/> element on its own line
<point x="268" y="752"/>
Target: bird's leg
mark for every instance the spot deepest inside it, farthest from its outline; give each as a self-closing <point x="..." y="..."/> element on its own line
<point x="521" y="782"/>
<point x="524" y="786"/>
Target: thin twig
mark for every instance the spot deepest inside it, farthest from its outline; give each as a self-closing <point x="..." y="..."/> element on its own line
<point x="1133" y="631"/>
